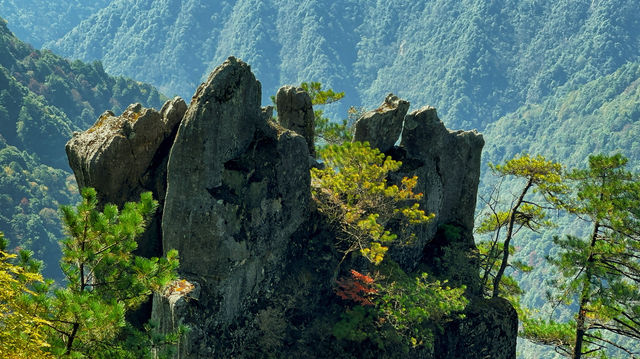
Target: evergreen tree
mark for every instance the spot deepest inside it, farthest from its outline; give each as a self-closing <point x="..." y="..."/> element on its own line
<point x="352" y="191"/>
<point x="369" y="216"/>
<point x="537" y="175"/>
<point x="325" y="130"/>
<point x="599" y="274"/>
<point x="104" y="279"/>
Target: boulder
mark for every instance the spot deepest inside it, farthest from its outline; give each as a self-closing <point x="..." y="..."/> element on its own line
<point x="123" y="156"/>
<point x="489" y="330"/>
<point x="295" y="113"/>
<point x="382" y="126"/>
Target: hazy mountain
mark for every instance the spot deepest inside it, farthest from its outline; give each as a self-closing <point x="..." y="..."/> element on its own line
<point x="36" y="21"/>
<point x="474" y="60"/>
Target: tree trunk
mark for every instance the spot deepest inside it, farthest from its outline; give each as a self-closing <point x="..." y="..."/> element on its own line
<point x="507" y="240"/>
<point x="584" y="296"/>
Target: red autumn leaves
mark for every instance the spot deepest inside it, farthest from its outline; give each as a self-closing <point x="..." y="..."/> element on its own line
<point x="359" y="288"/>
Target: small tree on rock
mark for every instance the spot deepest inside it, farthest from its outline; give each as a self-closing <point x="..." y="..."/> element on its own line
<point x="105" y="280"/>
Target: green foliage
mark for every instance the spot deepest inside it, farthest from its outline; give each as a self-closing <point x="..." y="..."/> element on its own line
<point x="352" y="191"/>
<point x="396" y="307"/>
<point x="416" y="308"/>
<point x="43" y="98"/>
<point x="30" y="194"/>
<point x="104" y="279"/>
<point x="538" y="175"/>
<point x="320" y="96"/>
<point x="451" y="233"/>
<point x="450" y="58"/>
<point x="548" y="332"/>
<point x="22" y="333"/>
<point x="47" y="97"/>
<point x="31" y="20"/>
<point x="598" y="117"/>
<point x="357" y="324"/>
<point x="598" y="273"/>
<point x="325" y="130"/>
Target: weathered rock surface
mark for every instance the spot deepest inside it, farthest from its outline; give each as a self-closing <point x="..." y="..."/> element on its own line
<point x="238" y="188"/>
<point x="123" y="156"/>
<point x="382" y="127"/>
<point x="260" y="260"/>
<point x="295" y="113"/>
<point x="447" y="164"/>
<point x="489" y="330"/>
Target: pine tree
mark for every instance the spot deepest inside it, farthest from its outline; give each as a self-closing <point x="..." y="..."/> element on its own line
<point x="599" y="274"/>
<point x="326" y="131"/>
<point x="538" y="175"/>
<point x="104" y="278"/>
<point x="352" y="191"/>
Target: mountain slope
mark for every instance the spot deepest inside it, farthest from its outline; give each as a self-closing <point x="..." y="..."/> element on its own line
<point x="36" y="21"/>
<point x="474" y="60"/>
<point x="601" y="116"/>
<point x="43" y="98"/>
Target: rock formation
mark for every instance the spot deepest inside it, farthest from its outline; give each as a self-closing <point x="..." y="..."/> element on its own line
<point x="382" y="126"/>
<point x="296" y="113"/>
<point x="258" y="260"/>
<point x="123" y="156"/>
<point x="447" y="164"/>
<point x="238" y="188"/>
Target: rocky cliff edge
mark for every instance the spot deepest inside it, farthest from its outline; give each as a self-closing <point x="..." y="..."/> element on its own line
<point x="256" y="258"/>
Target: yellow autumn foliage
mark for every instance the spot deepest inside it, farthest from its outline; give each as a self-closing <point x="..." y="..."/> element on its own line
<point x="21" y="330"/>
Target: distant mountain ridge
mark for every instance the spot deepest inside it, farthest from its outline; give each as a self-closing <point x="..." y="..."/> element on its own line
<point x="476" y="61"/>
<point x="37" y="21"/>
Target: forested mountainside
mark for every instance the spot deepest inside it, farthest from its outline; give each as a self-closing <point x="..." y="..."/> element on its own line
<point x="43" y="98"/>
<point x="601" y="116"/>
<point x="473" y="60"/>
<point x="37" y="21"/>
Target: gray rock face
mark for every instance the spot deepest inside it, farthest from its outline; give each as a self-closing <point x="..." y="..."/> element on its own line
<point x="259" y="260"/>
<point x="447" y="164"/>
<point x="489" y="331"/>
<point x="295" y="113"/>
<point x="238" y="188"/>
<point x="123" y="156"/>
<point x="382" y="126"/>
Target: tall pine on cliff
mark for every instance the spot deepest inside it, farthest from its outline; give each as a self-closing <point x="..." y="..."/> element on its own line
<point x="43" y="98"/>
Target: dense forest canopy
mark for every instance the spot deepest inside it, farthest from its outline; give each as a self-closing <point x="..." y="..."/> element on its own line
<point x="473" y="60"/>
